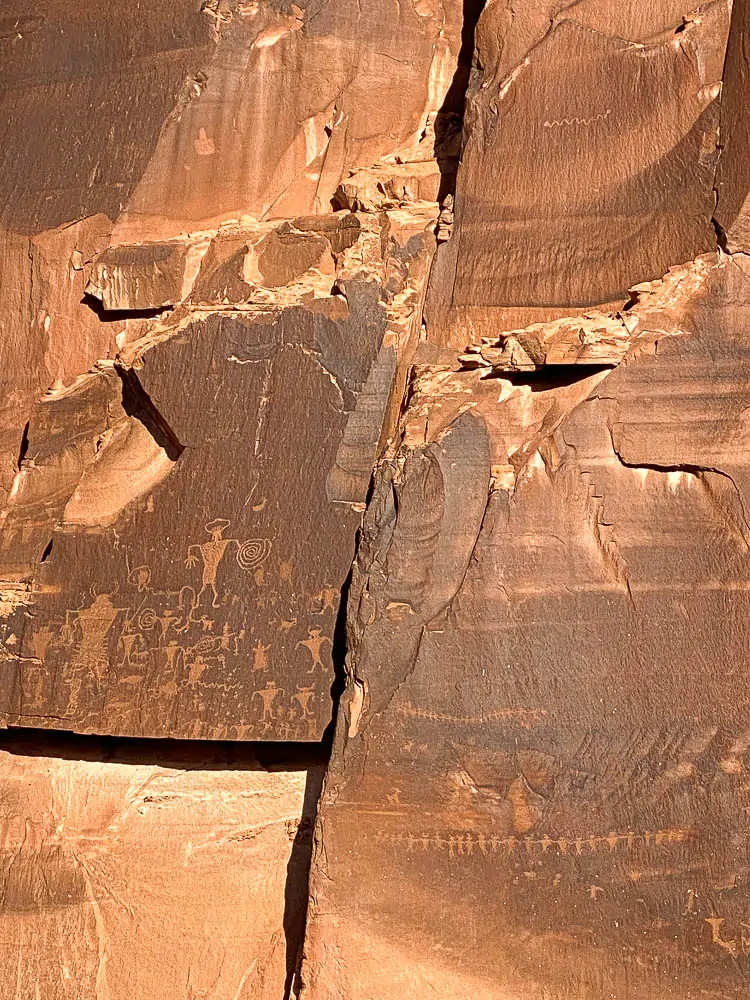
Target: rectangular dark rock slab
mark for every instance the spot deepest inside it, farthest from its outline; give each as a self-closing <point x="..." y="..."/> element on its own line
<point x="191" y="586"/>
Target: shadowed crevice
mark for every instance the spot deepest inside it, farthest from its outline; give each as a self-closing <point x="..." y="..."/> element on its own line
<point x="120" y="315"/>
<point x="552" y="376"/>
<point x="449" y="120"/>
<point x="138" y="404"/>
<point x="181" y="754"/>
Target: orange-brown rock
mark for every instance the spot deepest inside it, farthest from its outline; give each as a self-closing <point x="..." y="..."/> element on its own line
<point x="733" y="174"/>
<point x="384" y="361"/>
<point x="591" y="143"/>
<point x="184" y="517"/>
<point x="122" y="878"/>
<point x="537" y="785"/>
<point x="196" y="395"/>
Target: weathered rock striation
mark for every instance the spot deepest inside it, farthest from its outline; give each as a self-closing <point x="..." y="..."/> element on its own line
<point x="537" y="787"/>
<point x="385" y="365"/>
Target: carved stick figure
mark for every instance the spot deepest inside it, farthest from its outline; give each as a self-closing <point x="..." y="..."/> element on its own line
<point x="314" y="644"/>
<point x="302" y="697"/>
<point x="260" y="657"/>
<point x="268" y="696"/>
<point x="211" y="553"/>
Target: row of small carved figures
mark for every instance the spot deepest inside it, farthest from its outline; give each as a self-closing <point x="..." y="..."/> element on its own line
<point x="524" y="716"/>
<point x="466" y="843"/>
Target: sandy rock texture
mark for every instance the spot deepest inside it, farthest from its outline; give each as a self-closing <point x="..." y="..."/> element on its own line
<point x="374" y="388"/>
<point x="122" y="878"/>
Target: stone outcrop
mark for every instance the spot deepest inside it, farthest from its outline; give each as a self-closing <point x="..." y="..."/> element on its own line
<point x="538" y="780"/>
<point x="184" y="517"/>
<point x="375" y="387"/>
<point x="121" y="877"/>
<point x="539" y="773"/>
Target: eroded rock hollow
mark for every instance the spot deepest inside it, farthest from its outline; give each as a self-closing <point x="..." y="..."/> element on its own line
<point x="374" y="539"/>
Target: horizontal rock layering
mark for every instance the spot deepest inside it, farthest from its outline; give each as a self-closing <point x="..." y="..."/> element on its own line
<point x="382" y="364"/>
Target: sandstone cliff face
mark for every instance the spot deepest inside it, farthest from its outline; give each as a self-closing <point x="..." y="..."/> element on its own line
<point x="122" y="878"/>
<point x="204" y="362"/>
<point x="395" y="354"/>
<point x="538" y="782"/>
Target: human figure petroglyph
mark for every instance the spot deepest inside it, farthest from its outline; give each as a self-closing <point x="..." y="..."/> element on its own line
<point x="249" y="555"/>
<point x="303" y="696"/>
<point x="166" y="620"/>
<point x="286" y="569"/>
<point x="41" y="640"/>
<point x="32" y="687"/>
<point x="314" y="644"/>
<point x="172" y="652"/>
<point x="231" y="640"/>
<point x="260" y="657"/>
<point x="268" y="696"/>
<point x="131" y="643"/>
<point x="465" y="842"/>
<point x="211" y="554"/>
<point x="327" y="598"/>
<point x="94" y="624"/>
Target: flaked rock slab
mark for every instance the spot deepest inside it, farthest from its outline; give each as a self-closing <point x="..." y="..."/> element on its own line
<point x="588" y="165"/>
<point x="128" y="879"/>
<point x="538" y="784"/>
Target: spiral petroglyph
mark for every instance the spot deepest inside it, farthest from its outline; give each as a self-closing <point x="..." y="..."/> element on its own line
<point x="253" y="552"/>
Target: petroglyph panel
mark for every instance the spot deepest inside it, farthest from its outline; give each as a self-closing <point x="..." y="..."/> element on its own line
<point x="207" y="605"/>
<point x="540" y="776"/>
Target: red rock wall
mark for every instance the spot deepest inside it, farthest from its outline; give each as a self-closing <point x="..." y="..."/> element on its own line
<point x="375" y="385"/>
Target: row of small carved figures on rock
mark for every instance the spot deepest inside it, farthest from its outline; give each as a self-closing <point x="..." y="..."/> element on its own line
<point x="467" y="843"/>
